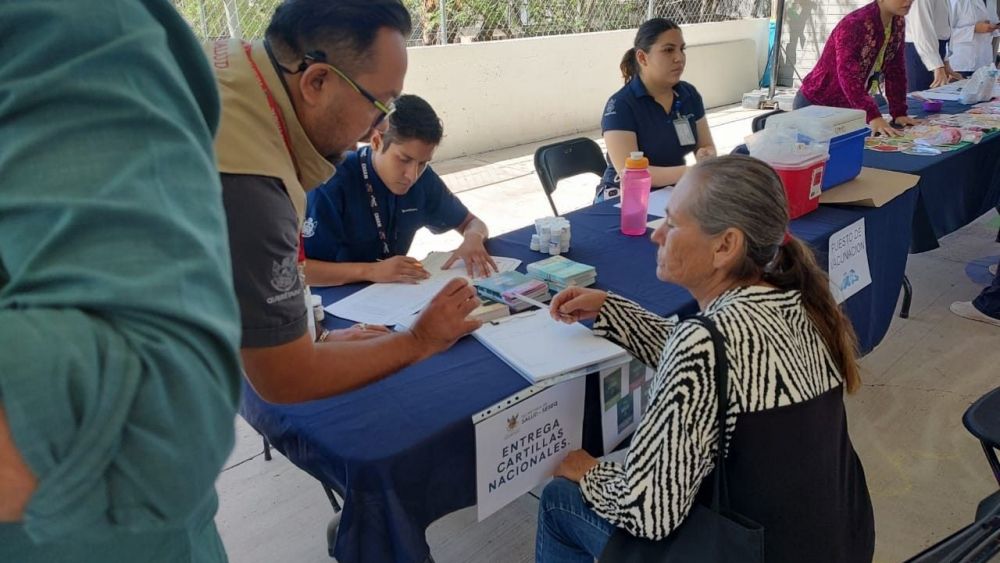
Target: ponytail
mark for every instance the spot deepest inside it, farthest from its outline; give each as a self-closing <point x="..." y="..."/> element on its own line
<point x="795" y="267"/>
<point x="629" y="66"/>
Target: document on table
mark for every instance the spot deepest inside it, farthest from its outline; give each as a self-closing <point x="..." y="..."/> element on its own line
<point x="540" y="348"/>
<point x="947" y="93"/>
<point x="389" y="303"/>
<point x="657" y="201"/>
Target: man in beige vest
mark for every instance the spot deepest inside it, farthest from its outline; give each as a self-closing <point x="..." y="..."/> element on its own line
<point x="324" y="76"/>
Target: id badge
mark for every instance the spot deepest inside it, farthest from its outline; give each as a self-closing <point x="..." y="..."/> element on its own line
<point x="684" y="133"/>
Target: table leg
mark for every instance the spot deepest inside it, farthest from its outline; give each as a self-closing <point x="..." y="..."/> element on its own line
<point x="904" y="311"/>
<point x="267" y="448"/>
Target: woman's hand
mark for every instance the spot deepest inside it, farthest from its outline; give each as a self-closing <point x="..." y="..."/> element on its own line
<point x="576" y="304"/>
<point x="941" y="77"/>
<point x="951" y="72"/>
<point x="575" y="465"/>
<point x="985" y="27"/>
<point x="880" y="126"/>
<point x="704" y="153"/>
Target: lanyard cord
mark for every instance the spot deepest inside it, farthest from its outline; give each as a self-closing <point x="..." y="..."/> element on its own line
<point x="376" y="214"/>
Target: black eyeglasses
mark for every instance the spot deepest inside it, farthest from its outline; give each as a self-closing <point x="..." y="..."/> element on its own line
<point x="319" y="57"/>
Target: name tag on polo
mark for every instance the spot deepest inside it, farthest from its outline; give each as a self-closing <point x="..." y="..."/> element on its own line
<point x="684" y="133"/>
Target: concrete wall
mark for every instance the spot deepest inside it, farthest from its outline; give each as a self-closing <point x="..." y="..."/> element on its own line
<point x="498" y="94"/>
<point x="806" y="27"/>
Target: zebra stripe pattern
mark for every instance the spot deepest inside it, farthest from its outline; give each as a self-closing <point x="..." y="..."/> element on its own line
<point x="776" y="358"/>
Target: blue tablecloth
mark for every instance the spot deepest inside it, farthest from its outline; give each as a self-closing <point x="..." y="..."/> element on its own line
<point x="402" y="451"/>
<point x="955" y="188"/>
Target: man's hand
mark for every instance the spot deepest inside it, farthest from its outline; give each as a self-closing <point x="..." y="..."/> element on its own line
<point x="360" y="331"/>
<point x="17" y="483"/>
<point x="478" y="261"/>
<point x="577" y="303"/>
<point x="444" y="320"/>
<point x="575" y="465"/>
<point x="398" y="269"/>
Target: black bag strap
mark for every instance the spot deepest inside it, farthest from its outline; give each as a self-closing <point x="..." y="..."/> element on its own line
<point x="720" y="492"/>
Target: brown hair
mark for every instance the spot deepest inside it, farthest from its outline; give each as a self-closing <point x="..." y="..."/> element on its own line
<point x="645" y="38"/>
<point x="746" y="194"/>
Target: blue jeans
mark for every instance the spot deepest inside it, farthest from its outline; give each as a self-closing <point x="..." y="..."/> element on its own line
<point x="988" y="301"/>
<point x="568" y="530"/>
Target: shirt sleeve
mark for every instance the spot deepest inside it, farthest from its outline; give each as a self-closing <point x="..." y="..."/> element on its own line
<point x="446" y="212"/>
<point x="637" y="330"/>
<point x="323" y="233"/>
<point x="263" y="240"/>
<point x="673" y="447"/>
<point x="920" y="27"/>
<point x="618" y="116"/>
<point x="119" y="373"/>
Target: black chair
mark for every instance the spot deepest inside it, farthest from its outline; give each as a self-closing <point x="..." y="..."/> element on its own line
<point x="756" y="125"/>
<point x="982" y="419"/>
<point x="561" y="160"/>
<point x="758" y="122"/>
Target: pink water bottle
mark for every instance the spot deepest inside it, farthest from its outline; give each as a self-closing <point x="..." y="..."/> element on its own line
<point x="636" y="183"/>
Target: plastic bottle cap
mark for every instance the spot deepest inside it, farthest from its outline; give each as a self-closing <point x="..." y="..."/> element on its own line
<point x="636" y="160"/>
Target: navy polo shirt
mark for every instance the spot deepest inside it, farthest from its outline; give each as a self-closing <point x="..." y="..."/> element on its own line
<point x="339" y="224"/>
<point x="633" y="109"/>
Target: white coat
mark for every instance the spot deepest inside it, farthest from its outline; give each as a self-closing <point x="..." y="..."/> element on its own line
<point x="971" y="50"/>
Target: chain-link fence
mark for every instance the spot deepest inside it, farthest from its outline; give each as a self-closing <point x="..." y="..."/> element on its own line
<point x="463" y="21"/>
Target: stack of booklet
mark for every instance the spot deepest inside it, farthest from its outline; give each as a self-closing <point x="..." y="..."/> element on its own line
<point x="503" y="287"/>
<point x="560" y="272"/>
<point x="489" y="311"/>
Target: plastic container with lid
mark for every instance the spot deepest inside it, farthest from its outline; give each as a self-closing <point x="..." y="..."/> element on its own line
<point x="848" y="129"/>
<point x="803" y="183"/>
<point x="636" y="183"/>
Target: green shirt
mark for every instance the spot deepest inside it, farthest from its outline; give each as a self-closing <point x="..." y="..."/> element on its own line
<point x="119" y="367"/>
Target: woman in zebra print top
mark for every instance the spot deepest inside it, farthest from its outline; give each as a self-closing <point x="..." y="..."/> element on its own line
<point x="791" y="354"/>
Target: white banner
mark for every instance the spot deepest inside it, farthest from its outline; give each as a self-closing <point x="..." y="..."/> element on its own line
<point x="624" y="396"/>
<point x="848" y="261"/>
<point x="520" y="447"/>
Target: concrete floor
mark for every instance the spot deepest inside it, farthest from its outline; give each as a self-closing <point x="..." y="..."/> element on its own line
<point x="925" y="472"/>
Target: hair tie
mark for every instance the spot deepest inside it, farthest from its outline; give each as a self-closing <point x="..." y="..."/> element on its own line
<point x="787" y="239"/>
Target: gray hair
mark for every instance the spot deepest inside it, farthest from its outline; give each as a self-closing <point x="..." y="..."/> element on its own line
<point x="746" y="194"/>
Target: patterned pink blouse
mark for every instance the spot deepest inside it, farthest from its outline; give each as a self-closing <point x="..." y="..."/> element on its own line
<point x="840" y="78"/>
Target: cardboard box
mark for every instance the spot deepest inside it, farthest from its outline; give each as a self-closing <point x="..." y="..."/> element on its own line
<point x="872" y="188"/>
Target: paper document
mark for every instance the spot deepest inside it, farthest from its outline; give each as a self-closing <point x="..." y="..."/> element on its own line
<point x="540" y="349"/>
<point x="390" y="303"/>
<point x="657" y="201"/>
<point x="942" y="96"/>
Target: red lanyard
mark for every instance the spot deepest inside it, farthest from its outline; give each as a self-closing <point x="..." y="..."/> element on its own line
<point x="280" y="121"/>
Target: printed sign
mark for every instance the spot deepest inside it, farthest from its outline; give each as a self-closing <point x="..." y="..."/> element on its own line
<point x="848" y="261"/>
<point x="520" y="447"/>
<point x="624" y="396"/>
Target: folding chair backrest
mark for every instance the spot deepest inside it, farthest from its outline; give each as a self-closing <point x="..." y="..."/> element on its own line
<point x="565" y="159"/>
<point x="982" y="420"/>
<point x="758" y="122"/>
